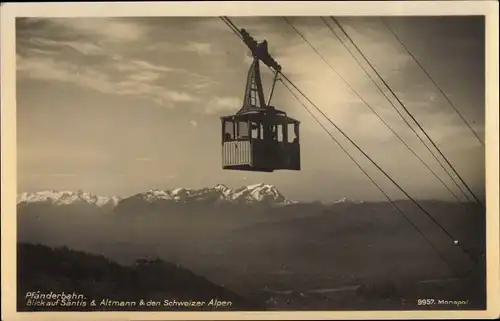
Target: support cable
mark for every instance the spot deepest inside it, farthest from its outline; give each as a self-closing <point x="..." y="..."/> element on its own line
<point x="432" y="79"/>
<point x="413" y="118"/>
<point x="398" y="112"/>
<point x="372" y="109"/>
<point x="235" y="29"/>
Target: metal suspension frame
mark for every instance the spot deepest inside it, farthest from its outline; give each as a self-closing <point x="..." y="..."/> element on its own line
<point x="254" y="92"/>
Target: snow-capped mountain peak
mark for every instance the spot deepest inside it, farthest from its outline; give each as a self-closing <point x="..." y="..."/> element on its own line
<point x="346" y="200"/>
<point x="257" y="193"/>
<point x="66" y="198"/>
<point x="155" y="195"/>
<point x="219" y="193"/>
<point x="220" y="187"/>
<point x="342" y="200"/>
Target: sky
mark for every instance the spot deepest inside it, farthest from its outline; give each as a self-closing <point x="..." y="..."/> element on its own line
<point x="117" y="106"/>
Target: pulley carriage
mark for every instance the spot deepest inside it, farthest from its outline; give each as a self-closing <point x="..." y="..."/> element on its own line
<point x="260" y="137"/>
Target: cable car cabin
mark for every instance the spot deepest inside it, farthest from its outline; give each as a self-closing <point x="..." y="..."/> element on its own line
<point x="263" y="141"/>
<point x="259" y="137"/>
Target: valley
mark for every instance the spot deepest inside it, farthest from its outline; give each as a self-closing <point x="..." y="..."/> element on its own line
<point x="293" y="256"/>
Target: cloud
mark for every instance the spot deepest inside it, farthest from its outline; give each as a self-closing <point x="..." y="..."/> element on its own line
<point x="91" y="63"/>
<point x="138" y="82"/>
<point x="203" y="83"/>
<point x="109" y="55"/>
<point x="83" y="47"/>
<point x="199" y="48"/>
<point x="144" y="76"/>
<point x="193" y="123"/>
<point x="113" y="30"/>
<point x="223" y="104"/>
<point x="126" y="60"/>
<point x="122" y="64"/>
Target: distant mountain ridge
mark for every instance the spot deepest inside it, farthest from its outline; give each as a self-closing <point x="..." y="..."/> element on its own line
<point x="67" y="198"/>
<point x="219" y="193"/>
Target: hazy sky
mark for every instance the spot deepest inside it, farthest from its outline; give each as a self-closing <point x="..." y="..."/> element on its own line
<point x="119" y="106"/>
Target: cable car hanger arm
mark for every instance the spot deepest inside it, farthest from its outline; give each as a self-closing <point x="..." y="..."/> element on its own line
<point x="254" y="92"/>
<point x="260" y="50"/>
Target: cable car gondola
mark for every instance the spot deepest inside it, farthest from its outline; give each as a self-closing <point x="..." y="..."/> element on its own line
<point x="259" y="137"/>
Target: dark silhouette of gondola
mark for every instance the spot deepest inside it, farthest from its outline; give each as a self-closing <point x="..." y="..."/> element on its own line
<point x="260" y="137"/>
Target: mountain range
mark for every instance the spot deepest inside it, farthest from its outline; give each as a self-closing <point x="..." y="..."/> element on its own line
<point x="66" y="198"/>
<point x="248" y="245"/>
<point x="219" y="193"/>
